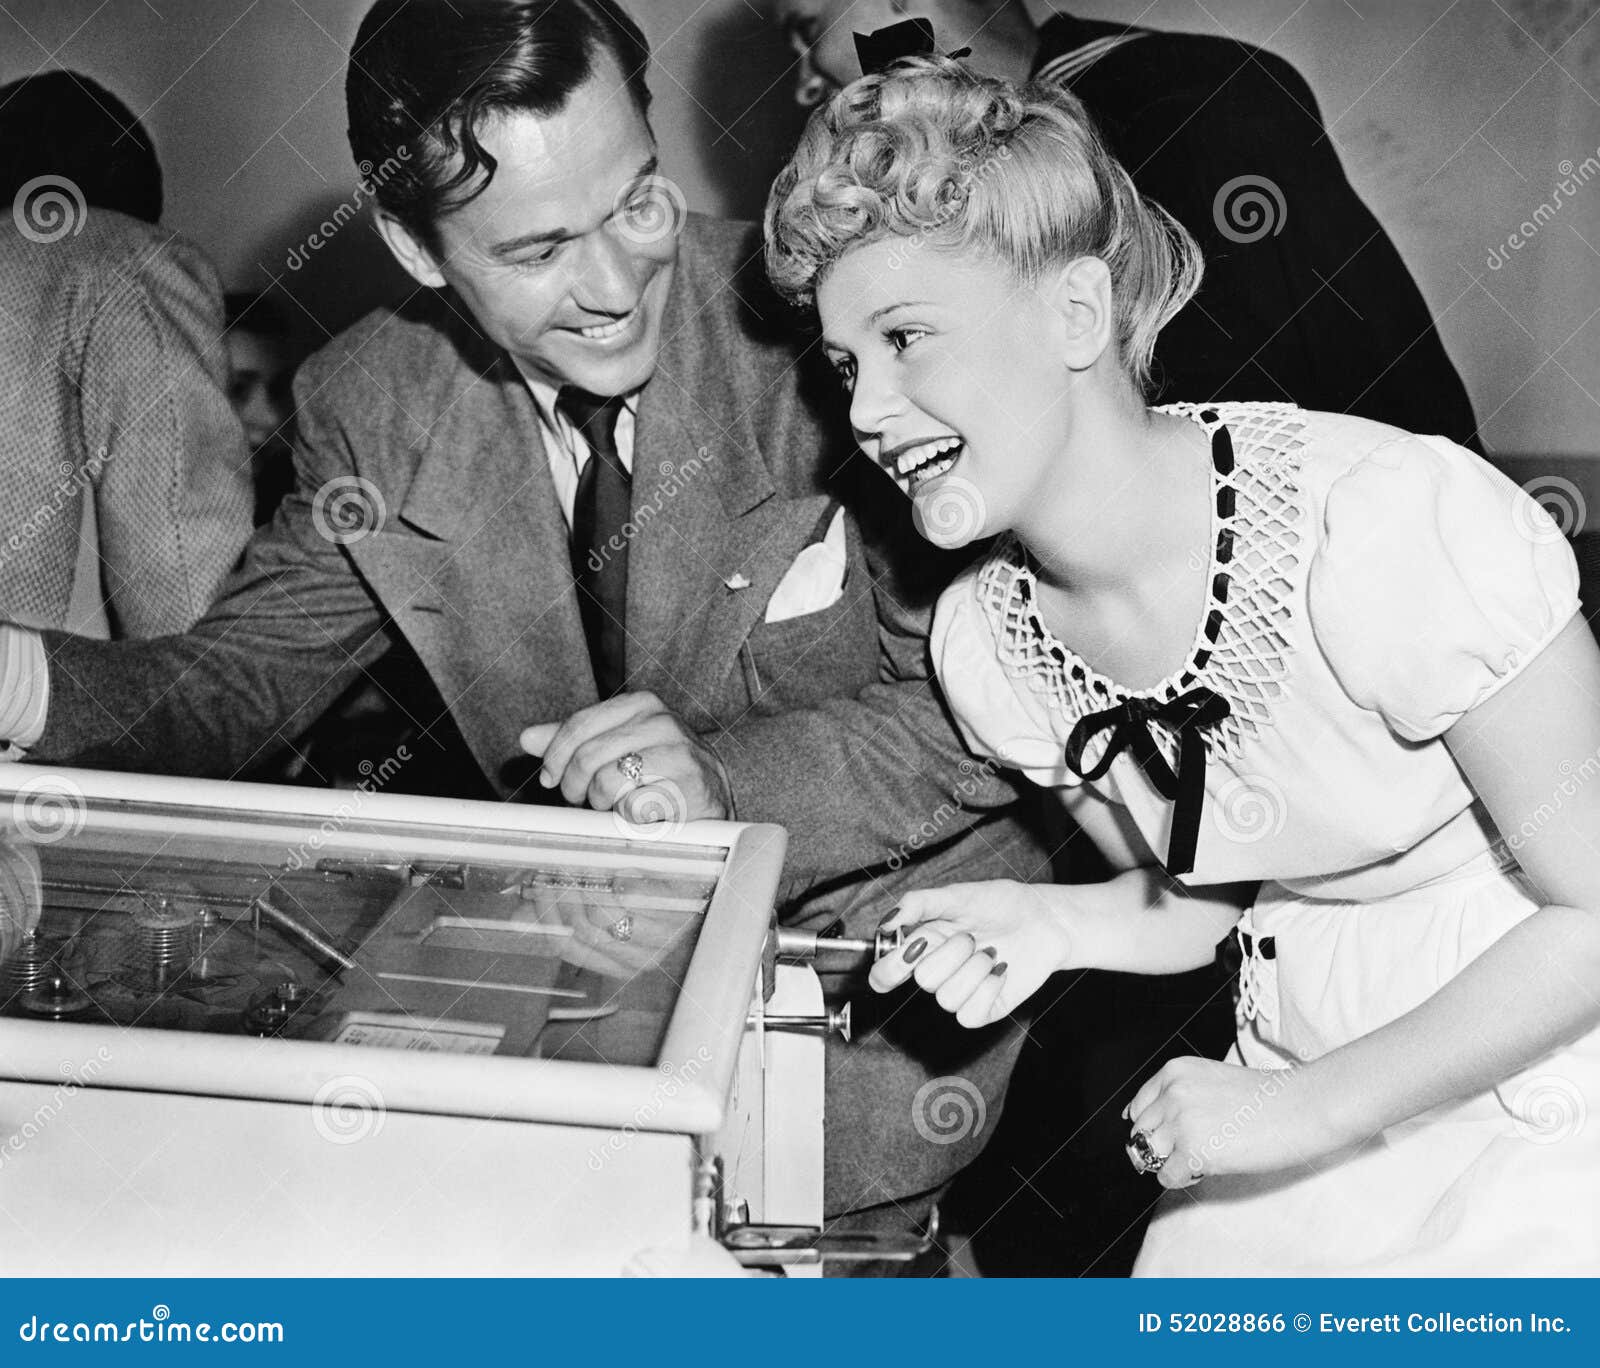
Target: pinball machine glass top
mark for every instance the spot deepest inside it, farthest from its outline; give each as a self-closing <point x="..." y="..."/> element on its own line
<point x="351" y="928"/>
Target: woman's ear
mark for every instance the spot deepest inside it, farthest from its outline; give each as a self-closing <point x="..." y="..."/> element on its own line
<point x="402" y="243"/>
<point x="1081" y="296"/>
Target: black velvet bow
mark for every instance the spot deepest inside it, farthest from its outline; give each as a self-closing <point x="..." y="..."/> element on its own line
<point x="909" y="38"/>
<point x="1129" y="723"/>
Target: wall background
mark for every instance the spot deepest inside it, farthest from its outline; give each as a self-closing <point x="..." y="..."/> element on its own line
<point x="1455" y="121"/>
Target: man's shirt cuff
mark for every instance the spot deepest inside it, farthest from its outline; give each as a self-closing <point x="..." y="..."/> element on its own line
<point x="24" y="689"/>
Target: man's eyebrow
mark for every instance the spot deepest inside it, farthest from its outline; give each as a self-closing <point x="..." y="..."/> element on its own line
<point x="511" y="246"/>
<point x="648" y="168"/>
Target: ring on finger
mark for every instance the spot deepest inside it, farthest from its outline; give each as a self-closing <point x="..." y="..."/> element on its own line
<point x="1145" y="1155"/>
<point x="631" y="766"/>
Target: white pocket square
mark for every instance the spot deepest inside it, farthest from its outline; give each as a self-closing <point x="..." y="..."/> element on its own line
<point x="816" y="579"/>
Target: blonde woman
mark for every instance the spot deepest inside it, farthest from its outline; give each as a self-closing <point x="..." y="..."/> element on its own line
<point x="1313" y="684"/>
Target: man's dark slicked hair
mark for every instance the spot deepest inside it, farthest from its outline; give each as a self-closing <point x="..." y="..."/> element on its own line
<point x="425" y="75"/>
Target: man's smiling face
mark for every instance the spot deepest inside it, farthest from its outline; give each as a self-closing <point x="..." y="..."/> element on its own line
<point x="566" y="258"/>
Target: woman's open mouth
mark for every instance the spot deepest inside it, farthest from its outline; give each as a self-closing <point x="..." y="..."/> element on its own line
<point x="928" y="461"/>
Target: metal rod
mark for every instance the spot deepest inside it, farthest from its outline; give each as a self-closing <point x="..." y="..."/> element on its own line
<point x="292" y="926"/>
<point x="828" y="1021"/>
<point x="144" y="891"/>
<point x="481" y="983"/>
<point x="796" y="944"/>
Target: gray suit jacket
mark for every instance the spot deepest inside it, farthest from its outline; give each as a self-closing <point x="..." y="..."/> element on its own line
<point x="114" y="416"/>
<point x="829" y="723"/>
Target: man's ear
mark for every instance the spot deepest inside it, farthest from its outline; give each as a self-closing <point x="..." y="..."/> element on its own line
<point x="1081" y="296"/>
<point x="417" y="261"/>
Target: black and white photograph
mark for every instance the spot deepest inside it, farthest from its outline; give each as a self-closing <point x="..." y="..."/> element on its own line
<point x="770" y="639"/>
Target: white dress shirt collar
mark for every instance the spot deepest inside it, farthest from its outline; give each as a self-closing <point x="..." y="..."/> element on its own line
<point x="565" y="448"/>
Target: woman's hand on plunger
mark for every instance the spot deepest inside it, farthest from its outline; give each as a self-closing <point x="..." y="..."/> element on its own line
<point x="982" y="949"/>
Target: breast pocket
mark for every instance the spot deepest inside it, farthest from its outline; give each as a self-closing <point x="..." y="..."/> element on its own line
<point x="806" y="660"/>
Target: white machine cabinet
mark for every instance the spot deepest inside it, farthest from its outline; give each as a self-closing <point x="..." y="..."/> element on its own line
<point x="254" y="1030"/>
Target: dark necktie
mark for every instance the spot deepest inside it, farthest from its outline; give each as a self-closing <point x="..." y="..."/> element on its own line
<point x="599" y="548"/>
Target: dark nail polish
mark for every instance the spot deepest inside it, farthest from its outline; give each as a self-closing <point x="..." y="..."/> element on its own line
<point x="999" y="968"/>
<point x="990" y="951"/>
<point x="913" y="952"/>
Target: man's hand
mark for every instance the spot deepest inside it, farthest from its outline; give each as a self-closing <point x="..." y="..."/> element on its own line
<point x="683" y="779"/>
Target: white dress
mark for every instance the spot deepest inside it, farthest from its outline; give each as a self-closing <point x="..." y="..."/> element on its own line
<point x="1368" y="588"/>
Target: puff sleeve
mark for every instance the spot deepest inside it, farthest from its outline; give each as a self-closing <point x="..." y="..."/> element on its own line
<point x="1435" y="582"/>
<point x="997" y="715"/>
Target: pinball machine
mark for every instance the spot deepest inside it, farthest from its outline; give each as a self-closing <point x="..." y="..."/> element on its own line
<point x="259" y="1030"/>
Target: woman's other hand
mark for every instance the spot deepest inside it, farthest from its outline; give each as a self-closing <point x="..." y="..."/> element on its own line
<point x="1208" y="1118"/>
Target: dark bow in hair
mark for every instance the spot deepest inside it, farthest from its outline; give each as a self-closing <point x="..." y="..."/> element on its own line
<point x="909" y="38"/>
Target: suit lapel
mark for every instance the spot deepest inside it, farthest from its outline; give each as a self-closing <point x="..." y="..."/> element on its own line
<point x="714" y="536"/>
<point x="485" y="595"/>
<point x="475" y="569"/>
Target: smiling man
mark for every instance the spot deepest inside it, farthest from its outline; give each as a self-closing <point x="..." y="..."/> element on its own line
<point x="582" y="478"/>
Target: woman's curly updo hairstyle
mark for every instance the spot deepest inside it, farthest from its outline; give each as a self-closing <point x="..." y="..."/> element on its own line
<point x="930" y="152"/>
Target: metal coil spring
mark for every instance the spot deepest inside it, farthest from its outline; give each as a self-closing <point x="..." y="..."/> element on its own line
<point x="165" y="941"/>
<point x="27" y="968"/>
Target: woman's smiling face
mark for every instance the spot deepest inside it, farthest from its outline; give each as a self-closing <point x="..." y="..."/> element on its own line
<point x="957" y="387"/>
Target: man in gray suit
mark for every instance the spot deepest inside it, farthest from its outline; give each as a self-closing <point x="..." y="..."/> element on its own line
<point x="599" y="389"/>
<point x="124" y="479"/>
